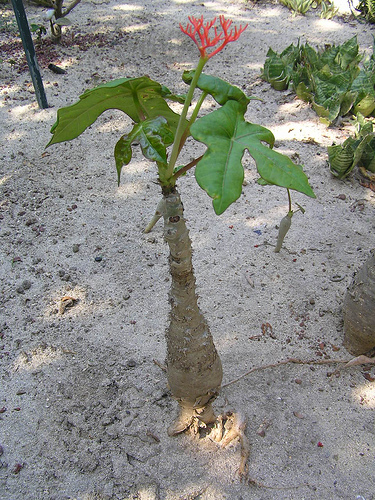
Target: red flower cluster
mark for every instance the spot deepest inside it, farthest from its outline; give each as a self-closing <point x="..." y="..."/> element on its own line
<point x="199" y="32"/>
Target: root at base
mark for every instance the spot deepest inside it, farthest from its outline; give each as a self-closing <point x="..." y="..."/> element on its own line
<point x="224" y="430"/>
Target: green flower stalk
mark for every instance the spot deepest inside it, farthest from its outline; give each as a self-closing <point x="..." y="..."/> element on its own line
<point x="199" y="32"/>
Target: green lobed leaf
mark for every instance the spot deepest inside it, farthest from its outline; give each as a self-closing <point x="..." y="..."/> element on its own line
<point x="63" y="21"/>
<point x="263" y="182"/>
<point x="123" y="154"/>
<point x="140" y="98"/>
<point x="220" y="90"/>
<point x="152" y="135"/>
<point x="227" y="135"/>
<point x="167" y="94"/>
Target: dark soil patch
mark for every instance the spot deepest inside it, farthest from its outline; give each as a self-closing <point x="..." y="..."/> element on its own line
<point x="47" y="51"/>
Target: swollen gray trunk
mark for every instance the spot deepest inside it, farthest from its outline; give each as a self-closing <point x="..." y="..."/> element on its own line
<point x="194" y="366"/>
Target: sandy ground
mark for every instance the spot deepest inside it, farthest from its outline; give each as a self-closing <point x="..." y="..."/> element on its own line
<point x="84" y="408"/>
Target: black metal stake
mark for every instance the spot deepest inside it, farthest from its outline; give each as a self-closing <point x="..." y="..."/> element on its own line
<point x="28" y="47"/>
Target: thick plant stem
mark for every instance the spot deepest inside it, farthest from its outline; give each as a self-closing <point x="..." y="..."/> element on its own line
<point x="194" y="367"/>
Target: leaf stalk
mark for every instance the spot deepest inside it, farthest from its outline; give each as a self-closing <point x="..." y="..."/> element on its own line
<point x="181" y="127"/>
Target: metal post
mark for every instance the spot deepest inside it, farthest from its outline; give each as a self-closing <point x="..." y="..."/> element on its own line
<point x="28" y="47"/>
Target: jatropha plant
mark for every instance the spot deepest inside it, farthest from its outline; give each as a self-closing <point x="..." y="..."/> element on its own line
<point x="57" y="15"/>
<point x="194" y="368"/>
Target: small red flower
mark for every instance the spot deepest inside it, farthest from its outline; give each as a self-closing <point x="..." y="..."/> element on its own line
<point x="199" y="32"/>
<point x="320" y="445"/>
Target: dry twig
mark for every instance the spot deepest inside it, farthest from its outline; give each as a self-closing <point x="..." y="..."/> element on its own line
<point x="160" y="365"/>
<point x="359" y="360"/>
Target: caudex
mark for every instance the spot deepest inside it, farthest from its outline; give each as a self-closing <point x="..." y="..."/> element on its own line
<point x="194" y="368"/>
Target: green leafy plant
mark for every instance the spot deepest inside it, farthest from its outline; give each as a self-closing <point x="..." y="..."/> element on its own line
<point x="193" y="364"/>
<point x="279" y="69"/>
<point x="328" y="10"/>
<point x="365" y="9"/>
<point x="330" y="79"/>
<point x="7" y="22"/>
<point x="358" y="150"/>
<point x="57" y="16"/>
<point x="298" y="6"/>
<point x="38" y="29"/>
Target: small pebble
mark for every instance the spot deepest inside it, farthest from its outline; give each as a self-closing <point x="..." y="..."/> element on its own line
<point x="17" y="468"/>
<point x="26" y="284"/>
<point x="106" y="421"/>
<point x="75" y="248"/>
<point x="30" y="222"/>
<point x="99" y="258"/>
<point x="298" y="414"/>
<point x="131" y="363"/>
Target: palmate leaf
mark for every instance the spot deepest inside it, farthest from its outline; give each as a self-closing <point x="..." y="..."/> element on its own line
<point x="140" y="98"/>
<point x="220" y="90"/>
<point x="227" y="135"/>
<point x="152" y="135"/>
<point x="167" y="94"/>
